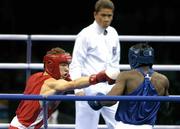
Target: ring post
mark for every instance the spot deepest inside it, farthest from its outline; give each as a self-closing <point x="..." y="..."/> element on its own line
<point x="45" y="113"/>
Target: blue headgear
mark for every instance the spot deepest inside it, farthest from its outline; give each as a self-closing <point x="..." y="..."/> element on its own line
<point x="141" y="56"/>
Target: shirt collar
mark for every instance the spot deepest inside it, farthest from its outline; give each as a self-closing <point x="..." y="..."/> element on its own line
<point x="99" y="28"/>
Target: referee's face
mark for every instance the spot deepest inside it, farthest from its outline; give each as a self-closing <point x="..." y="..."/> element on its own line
<point x="104" y="17"/>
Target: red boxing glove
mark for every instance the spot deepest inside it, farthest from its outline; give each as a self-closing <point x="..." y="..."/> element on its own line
<point x="100" y="77"/>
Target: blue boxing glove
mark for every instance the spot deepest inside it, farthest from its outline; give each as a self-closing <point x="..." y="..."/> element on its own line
<point x="95" y="105"/>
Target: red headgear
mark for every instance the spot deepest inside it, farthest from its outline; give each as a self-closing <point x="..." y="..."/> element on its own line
<point x="52" y="61"/>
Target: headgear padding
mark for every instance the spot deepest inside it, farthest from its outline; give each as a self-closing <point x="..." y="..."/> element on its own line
<point x="141" y="56"/>
<point x="52" y="61"/>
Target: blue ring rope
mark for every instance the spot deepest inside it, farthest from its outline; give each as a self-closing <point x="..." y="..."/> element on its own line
<point x="86" y="98"/>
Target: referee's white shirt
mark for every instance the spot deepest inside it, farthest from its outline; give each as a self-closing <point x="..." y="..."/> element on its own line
<point x="93" y="52"/>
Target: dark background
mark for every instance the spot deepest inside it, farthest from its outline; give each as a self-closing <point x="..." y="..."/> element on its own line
<point x="160" y="17"/>
<point x="68" y="17"/>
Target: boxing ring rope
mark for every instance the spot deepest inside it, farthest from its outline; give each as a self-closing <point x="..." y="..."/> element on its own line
<point x="86" y="98"/>
<point x="28" y="66"/>
<point x="122" y="67"/>
<point x="72" y="126"/>
<point x="73" y="37"/>
<point x="170" y="98"/>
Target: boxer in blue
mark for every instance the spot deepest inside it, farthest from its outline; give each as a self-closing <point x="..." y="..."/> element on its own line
<point x="141" y="80"/>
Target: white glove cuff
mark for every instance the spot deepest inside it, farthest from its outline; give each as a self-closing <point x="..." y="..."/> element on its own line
<point x="113" y="74"/>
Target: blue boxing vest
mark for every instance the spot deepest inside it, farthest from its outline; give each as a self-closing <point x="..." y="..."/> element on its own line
<point x="139" y="112"/>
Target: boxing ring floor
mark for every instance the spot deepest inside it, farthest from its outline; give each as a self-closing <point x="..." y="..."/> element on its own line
<point x="29" y="66"/>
